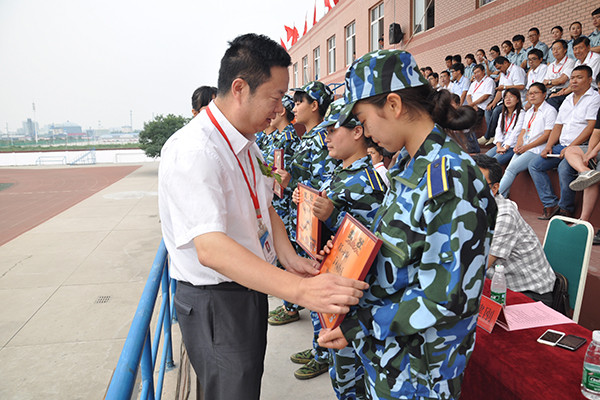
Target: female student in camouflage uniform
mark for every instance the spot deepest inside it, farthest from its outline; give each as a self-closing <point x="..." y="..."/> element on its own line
<point x="414" y="328"/>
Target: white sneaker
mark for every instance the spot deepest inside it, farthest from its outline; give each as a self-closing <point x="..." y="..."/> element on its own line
<point x="482" y="140"/>
<point x="585" y="180"/>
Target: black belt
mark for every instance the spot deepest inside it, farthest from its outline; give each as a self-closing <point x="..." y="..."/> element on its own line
<point x="220" y="286"/>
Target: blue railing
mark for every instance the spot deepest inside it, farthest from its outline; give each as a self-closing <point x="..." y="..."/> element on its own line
<point x="138" y="349"/>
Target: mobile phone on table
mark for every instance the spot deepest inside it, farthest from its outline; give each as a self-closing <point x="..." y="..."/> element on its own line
<point x="571" y="342"/>
<point x="551" y="337"/>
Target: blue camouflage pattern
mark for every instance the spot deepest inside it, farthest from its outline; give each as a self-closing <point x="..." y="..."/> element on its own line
<point x="287" y="140"/>
<point x="317" y="91"/>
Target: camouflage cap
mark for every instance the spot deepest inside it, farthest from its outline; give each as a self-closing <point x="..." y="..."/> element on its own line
<point x="288" y="103"/>
<point x="317" y="91"/>
<point x="379" y="72"/>
<point x="333" y="114"/>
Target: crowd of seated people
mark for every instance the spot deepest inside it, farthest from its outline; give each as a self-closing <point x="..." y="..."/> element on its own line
<point x="540" y="108"/>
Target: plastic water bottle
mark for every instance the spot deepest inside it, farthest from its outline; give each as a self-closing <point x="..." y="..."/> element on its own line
<point x="590" y="382"/>
<point x="498" y="288"/>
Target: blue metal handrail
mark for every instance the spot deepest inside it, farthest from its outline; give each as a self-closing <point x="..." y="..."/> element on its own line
<point x="138" y="348"/>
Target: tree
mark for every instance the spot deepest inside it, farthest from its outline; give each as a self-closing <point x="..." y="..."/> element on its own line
<point x="156" y="132"/>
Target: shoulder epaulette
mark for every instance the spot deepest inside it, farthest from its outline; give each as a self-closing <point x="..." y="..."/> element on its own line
<point x="322" y="135"/>
<point x="375" y="180"/>
<point x="437" y="178"/>
<point x="288" y="135"/>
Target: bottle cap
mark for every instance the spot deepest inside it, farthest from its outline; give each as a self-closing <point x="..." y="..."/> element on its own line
<point x="499" y="268"/>
<point x="596" y="336"/>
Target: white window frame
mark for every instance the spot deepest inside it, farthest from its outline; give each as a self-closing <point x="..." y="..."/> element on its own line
<point x="377" y="25"/>
<point x="295" y="74"/>
<point x="420" y="15"/>
<point x="304" y="70"/>
<point x="331" y="55"/>
<point x="350" y="31"/>
<point x="317" y="62"/>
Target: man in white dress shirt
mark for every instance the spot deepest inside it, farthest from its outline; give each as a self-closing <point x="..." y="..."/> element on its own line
<point x="222" y="233"/>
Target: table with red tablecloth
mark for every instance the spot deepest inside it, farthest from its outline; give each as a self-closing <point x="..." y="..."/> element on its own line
<point x="513" y="365"/>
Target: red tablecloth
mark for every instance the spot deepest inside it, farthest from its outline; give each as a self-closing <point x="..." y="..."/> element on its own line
<point x="513" y="365"/>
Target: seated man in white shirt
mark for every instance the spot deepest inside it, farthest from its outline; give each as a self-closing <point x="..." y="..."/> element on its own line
<point x="537" y="71"/>
<point x="222" y="233"/>
<point x="534" y="38"/>
<point x="444" y="80"/>
<point x="460" y="84"/>
<point x="434" y="80"/>
<point x="480" y="92"/>
<point x="559" y="71"/>
<point x="573" y="127"/>
<point x="515" y="244"/>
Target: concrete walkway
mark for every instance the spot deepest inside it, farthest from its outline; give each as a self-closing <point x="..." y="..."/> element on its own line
<point x="70" y="287"/>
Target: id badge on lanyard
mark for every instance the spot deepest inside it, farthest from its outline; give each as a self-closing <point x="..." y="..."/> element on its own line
<point x="266" y="242"/>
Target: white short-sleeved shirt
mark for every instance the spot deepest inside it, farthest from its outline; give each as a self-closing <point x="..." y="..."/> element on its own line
<point x="480" y="88"/>
<point x="535" y="123"/>
<point x="512" y="128"/>
<point x="460" y="86"/>
<point x="536" y="75"/>
<point x="514" y="76"/>
<point x="558" y="68"/>
<point x="574" y="117"/>
<point x="201" y="189"/>
<point x="592" y="60"/>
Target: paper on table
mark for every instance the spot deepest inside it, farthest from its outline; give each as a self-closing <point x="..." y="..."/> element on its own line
<point x="530" y="315"/>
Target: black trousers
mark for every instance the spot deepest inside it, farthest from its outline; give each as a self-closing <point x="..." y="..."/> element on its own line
<point x="224" y="328"/>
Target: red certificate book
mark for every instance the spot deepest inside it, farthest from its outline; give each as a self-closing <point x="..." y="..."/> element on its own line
<point x="353" y="252"/>
<point x="308" y="227"/>
<point x="278" y="163"/>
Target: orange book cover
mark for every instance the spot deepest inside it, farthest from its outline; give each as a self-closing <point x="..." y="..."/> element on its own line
<point x="278" y="163"/>
<point x="353" y="252"/>
<point x="308" y="227"/>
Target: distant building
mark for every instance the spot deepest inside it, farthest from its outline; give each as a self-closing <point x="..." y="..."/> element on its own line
<point x="447" y="27"/>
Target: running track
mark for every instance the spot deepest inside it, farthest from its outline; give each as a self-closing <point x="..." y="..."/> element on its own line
<point x="36" y="195"/>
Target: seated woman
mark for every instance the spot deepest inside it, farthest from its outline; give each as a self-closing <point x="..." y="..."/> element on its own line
<point x="537" y="125"/>
<point x="507" y="131"/>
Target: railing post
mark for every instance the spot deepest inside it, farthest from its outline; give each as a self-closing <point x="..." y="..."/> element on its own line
<point x="167" y="319"/>
<point x="147" y="370"/>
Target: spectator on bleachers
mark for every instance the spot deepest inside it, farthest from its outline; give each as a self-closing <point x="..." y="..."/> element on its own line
<point x="427" y="71"/>
<point x="201" y="97"/>
<point x="469" y="65"/>
<point x="457" y="58"/>
<point x="481" y="58"/>
<point x="378" y="160"/>
<point x="444" y="80"/>
<point x="537" y="125"/>
<point x="574" y="124"/>
<point x="537" y="71"/>
<point x="480" y="92"/>
<point x="460" y="84"/>
<point x="595" y="35"/>
<point x="515" y="244"/>
<point x="556" y="33"/>
<point x="559" y="71"/>
<point x="575" y="31"/>
<point x="507" y="131"/>
<point x="520" y="53"/>
<point x="534" y="38"/>
<point x="586" y="161"/>
<point x="511" y="76"/>
<point x="434" y="80"/>
<point x="448" y="61"/>
<point x="494" y="53"/>
<point x="508" y="50"/>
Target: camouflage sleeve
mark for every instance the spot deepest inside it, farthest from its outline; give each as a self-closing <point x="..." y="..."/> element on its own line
<point x="361" y="201"/>
<point x="448" y="275"/>
<point x="321" y="166"/>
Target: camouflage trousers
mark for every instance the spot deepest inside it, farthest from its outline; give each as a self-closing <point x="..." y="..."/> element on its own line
<point x="321" y="353"/>
<point x="347" y="374"/>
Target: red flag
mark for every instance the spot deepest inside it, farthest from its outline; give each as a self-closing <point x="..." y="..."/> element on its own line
<point x="328" y="5"/>
<point x="295" y="35"/>
<point x="305" y="25"/>
<point x="289" y="31"/>
<point x="282" y="44"/>
<point x="315" y="14"/>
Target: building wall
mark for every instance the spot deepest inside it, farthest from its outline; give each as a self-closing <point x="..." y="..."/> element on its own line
<point x="461" y="27"/>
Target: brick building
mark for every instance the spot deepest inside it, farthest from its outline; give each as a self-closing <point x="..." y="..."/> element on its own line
<point x="432" y="29"/>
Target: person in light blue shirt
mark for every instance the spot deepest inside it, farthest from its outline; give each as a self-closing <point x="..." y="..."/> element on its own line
<point x="575" y="31"/>
<point x="534" y="38"/>
<point x="595" y="35"/>
<point x="460" y="84"/>
<point x="469" y="65"/>
<point x="509" y="50"/>
<point x="520" y="53"/>
<point x="557" y="33"/>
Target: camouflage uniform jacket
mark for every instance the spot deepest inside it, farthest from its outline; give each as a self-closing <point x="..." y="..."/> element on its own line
<point x="311" y="165"/>
<point x="357" y="190"/>
<point x="415" y="326"/>
<point x="287" y="140"/>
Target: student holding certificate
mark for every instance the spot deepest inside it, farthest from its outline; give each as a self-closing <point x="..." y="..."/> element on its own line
<point x="414" y="329"/>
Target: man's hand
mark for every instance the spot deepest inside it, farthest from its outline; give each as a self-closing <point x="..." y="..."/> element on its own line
<point x="589" y="155"/>
<point x="330" y="293"/>
<point x="332" y="339"/>
<point x="285" y="177"/>
<point x="562" y="152"/>
<point x="490" y="106"/>
<point x="545" y="152"/>
<point x="302" y="266"/>
<point x="322" y="207"/>
<point x="296" y="196"/>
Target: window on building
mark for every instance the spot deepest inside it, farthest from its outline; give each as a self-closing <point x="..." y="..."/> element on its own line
<point x="331" y="55"/>
<point x="423" y="15"/>
<point x="295" y="74"/>
<point x="376" y="26"/>
<point x="304" y="70"/>
<point x="484" y="2"/>
<point x="317" y="62"/>
<point x="350" y="43"/>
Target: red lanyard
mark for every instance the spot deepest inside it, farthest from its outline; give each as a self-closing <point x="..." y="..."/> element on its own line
<point x="561" y="67"/>
<point x="477" y="86"/>
<point x="252" y="194"/>
<point x="510" y="123"/>
<point x="531" y="120"/>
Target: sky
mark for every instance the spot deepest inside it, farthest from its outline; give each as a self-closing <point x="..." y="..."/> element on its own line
<point x="92" y="62"/>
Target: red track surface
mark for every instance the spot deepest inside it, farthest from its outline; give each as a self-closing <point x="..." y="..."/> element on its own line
<point x="39" y="194"/>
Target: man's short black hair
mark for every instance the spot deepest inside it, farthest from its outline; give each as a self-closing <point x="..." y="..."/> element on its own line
<point x="428" y="69"/>
<point x="470" y="56"/>
<point x="518" y="37"/>
<point x="448" y="58"/>
<point x="536" y="52"/>
<point x="250" y="57"/>
<point x="456" y="58"/>
<point x="540" y="86"/>
<point x="479" y="66"/>
<point x="202" y="96"/>
<point x="536" y="30"/>
<point x="582" y="39"/>
<point x="491" y="164"/>
<point x="445" y="72"/>
<point x="458" y="67"/>
<point x="560" y="28"/>
<point x="596" y="11"/>
<point x="435" y="75"/>
<point x="500" y="60"/>
<point x="562" y="42"/>
<point x="585" y="68"/>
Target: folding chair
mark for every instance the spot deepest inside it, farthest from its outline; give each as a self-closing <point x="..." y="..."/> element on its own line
<point x="568" y="249"/>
